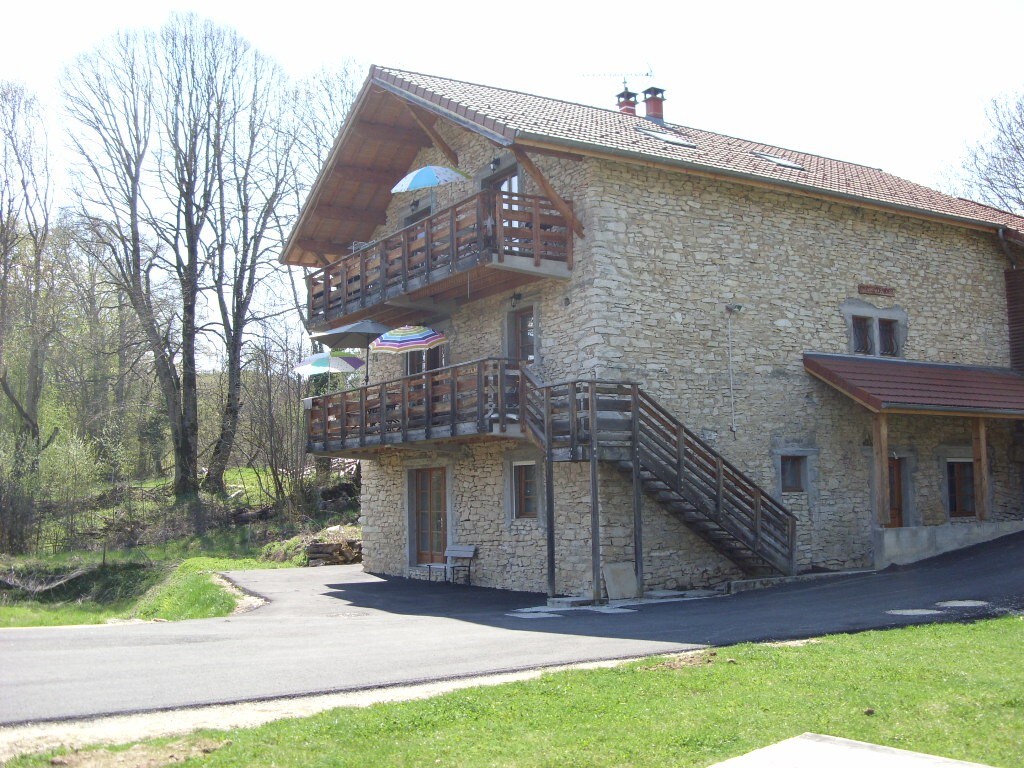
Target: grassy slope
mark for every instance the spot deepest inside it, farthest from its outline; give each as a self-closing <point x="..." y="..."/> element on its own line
<point x="952" y="690"/>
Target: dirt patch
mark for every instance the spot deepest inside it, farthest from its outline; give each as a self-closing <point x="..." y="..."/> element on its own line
<point x="245" y="601"/>
<point x="140" y="755"/>
<point x="687" y="659"/>
<point x="793" y="643"/>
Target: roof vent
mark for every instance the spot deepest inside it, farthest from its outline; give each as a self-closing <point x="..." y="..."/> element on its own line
<point x="779" y="161"/>
<point x="627" y="102"/>
<point x="654" y="101"/>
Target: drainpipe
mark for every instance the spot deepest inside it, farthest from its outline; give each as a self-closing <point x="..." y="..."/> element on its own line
<point x="1006" y="246"/>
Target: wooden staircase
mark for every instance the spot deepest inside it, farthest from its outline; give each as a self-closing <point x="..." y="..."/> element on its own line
<point x="592" y="420"/>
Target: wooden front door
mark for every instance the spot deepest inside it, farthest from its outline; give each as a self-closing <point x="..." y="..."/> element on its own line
<point x="430" y="499"/>
<point x="895" y="493"/>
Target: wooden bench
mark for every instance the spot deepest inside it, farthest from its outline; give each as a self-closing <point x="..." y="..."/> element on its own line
<point x="464" y="553"/>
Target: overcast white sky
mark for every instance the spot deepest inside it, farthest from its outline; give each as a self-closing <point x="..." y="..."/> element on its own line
<point x="897" y="85"/>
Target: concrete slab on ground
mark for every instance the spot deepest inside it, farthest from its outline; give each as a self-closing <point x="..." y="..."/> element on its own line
<point x="813" y="750"/>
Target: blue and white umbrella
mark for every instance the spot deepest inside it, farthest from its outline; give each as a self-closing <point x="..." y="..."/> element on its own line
<point x="429" y="176"/>
<point x="328" y="362"/>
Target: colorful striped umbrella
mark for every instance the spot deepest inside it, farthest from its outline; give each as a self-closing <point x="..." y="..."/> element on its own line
<point x="429" y="176"/>
<point x="408" y="338"/>
<point x="328" y="362"/>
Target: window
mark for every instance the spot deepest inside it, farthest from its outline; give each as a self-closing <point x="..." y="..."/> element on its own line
<point x="524" y="489"/>
<point x="418" y="362"/>
<point x="522" y="338"/>
<point x="960" y="487"/>
<point x="874" y="331"/>
<point x="793" y="474"/>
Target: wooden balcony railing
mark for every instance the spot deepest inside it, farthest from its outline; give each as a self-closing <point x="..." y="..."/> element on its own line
<point x="487" y="226"/>
<point x="477" y="397"/>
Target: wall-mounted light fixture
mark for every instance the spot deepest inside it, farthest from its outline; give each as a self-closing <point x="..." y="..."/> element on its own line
<point x="414" y="205"/>
<point x="514" y="301"/>
<point x="495" y="163"/>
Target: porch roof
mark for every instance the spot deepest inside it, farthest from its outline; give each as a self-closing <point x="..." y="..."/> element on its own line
<point x="885" y="385"/>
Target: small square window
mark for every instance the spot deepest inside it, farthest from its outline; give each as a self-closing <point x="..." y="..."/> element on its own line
<point x="960" y="488"/>
<point x="794" y="474"/>
<point x="524" y="490"/>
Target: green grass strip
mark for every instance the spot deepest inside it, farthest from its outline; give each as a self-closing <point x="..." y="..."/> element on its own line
<point x="951" y="690"/>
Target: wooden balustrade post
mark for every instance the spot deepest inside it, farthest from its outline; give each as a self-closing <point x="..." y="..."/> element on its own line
<point x="480" y="426"/>
<point x="535" y="223"/>
<point x="453" y="223"/>
<point x="454" y="404"/>
<point x="574" y="415"/>
<point x="428" y="403"/>
<point x="405" y="410"/>
<point x="405" y="261"/>
<point x="362" y="415"/>
<point x="325" y="414"/>
<point x="595" y="514"/>
<point x="757" y="519"/>
<point x="719" y="486"/>
<point x="502" y="383"/>
<point x="638" y="517"/>
<point x="680" y="457"/>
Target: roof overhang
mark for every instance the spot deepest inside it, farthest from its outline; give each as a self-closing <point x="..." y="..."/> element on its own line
<point x="885" y="385"/>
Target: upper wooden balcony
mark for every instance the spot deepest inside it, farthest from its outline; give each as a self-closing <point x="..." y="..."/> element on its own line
<point x="486" y="244"/>
<point x="469" y="401"/>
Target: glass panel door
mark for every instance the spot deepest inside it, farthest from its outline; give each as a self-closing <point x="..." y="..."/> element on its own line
<point x="431" y="514"/>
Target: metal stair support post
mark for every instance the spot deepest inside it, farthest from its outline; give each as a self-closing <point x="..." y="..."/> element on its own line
<point x="595" y="515"/>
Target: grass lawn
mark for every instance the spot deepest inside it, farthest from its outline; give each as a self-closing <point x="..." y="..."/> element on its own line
<point x="952" y="690"/>
<point x="165" y="590"/>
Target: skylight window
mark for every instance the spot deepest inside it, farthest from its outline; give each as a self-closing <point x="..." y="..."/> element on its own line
<point x="779" y="161"/>
<point x="668" y="138"/>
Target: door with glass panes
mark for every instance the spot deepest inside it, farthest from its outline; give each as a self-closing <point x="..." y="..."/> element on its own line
<point x="430" y="514"/>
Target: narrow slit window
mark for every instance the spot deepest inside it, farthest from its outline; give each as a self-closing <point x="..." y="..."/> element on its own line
<point x="862" y="341"/>
<point x="960" y="487"/>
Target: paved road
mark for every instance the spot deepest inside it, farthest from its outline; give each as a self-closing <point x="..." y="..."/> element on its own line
<point x="335" y="628"/>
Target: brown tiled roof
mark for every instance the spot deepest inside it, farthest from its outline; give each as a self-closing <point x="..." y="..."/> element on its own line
<point x="514" y="116"/>
<point x="907" y="386"/>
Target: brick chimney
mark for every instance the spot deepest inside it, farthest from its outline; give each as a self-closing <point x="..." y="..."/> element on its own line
<point x="654" y="101"/>
<point x="627" y="102"/>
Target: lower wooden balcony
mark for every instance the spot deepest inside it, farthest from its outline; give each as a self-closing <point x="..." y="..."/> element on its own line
<point x="486" y="244"/>
<point x="460" y="403"/>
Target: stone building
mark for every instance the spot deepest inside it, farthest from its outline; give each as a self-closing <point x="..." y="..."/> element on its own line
<point x="672" y="355"/>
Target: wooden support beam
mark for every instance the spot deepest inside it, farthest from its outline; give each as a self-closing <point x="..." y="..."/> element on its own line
<point x="364" y="174"/>
<point x="595" y="512"/>
<point x="556" y="200"/>
<point x="391" y="134"/>
<point x="426" y="121"/>
<point x="638" y="502"/>
<point x="345" y="213"/>
<point x="981" y="470"/>
<point x="880" y="445"/>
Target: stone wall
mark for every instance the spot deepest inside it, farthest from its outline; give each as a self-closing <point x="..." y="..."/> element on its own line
<point x="663" y="256"/>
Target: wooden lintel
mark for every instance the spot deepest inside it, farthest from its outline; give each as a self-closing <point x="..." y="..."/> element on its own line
<point x="426" y="122"/>
<point x="345" y="213"/>
<point x="396" y="134"/>
<point x="981" y="470"/>
<point x="362" y="173"/>
<point x="556" y="200"/>
<point x="880" y="446"/>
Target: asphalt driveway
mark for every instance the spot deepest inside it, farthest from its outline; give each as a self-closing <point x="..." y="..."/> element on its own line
<point x="336" y="628"/>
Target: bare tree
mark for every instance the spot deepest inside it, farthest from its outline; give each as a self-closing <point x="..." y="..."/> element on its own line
<point x="994" y="170"/>
<point x="254" y="175"/>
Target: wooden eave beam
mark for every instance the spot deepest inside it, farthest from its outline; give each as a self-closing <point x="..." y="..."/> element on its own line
<point x="364" y="174"/>
<point x="426" y="121"/>
<point x="344" y="213"/>
<point x="556" y="200"/>
<point x="392" y="134"/>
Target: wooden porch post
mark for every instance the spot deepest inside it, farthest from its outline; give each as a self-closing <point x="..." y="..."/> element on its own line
<point x="981" y="484"/>
<point x="880" y="430"/>
<point x="595" y="514"/>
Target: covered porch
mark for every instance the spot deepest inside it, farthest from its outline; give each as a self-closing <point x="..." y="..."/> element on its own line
<point x="945" y="499"/>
